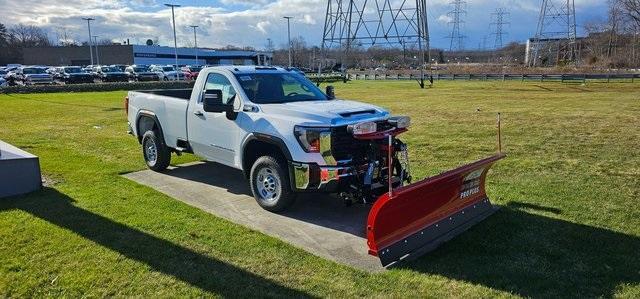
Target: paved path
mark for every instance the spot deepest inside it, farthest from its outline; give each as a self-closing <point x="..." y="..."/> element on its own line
<point x="321" y="225"/>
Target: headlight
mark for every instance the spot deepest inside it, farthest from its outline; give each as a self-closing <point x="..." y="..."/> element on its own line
<point x="363" y="128"/>
<point x="309" y="138"/>
<point x="400" y="122"/>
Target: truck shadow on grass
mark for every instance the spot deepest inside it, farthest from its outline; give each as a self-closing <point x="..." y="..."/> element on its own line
<point x="199" y="270"/>
<point x="536" y="256"/>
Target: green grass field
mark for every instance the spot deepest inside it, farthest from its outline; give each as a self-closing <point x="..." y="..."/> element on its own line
<point x="569" y="191"/>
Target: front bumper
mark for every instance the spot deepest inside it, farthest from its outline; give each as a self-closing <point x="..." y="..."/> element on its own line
<point x="115" y="79"/>
<point x="83" y="79"/>
<point x="314" y="178"/>
<point x="148" y="78"/>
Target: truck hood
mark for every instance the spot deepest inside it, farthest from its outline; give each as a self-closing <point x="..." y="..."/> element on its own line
<point x="324" y="113"/>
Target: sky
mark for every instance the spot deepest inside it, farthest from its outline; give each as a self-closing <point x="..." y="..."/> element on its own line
<point x="252" y="22"/>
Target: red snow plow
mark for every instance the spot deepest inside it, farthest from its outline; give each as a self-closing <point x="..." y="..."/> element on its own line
<point x="408" y="221"/>
<point x="413" y="220"/>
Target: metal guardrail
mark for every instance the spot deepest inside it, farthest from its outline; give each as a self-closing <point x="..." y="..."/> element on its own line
<point x="564" y="78"/>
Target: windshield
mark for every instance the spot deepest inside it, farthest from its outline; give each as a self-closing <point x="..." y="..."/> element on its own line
<point x="73" y="70"/>
<point x="195" y="69"/>
<point x="31" y="71"/>
<point x="140" y="69"/>
<point x="110" y="70"/>
<point x="168" y="68"/>
<point x="277" y="88"/>
<point x="119" y="68"/>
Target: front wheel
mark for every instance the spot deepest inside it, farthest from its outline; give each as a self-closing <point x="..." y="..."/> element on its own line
<point x="270" y="184"/>
<point x="155" y="151"/>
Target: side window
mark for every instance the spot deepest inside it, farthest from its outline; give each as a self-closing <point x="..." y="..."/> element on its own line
<point x="218" y="81"/>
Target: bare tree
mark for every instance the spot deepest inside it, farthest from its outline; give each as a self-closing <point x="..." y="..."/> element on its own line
<point x="632" y="9"/>
<point x="26" y="36"/>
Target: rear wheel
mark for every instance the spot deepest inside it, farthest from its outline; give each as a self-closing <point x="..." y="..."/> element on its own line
<point x="155" y="151"/>
<point x="270" y="184"/>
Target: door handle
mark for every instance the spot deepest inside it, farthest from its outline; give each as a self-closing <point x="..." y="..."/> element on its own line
<point x="198" y="113"/>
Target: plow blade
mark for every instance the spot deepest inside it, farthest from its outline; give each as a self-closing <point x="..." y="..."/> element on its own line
<point x="417" y="218"/>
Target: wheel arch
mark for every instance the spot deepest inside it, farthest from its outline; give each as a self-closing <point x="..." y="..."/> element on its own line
<point x="147" y="120"/>
<point x="257" y="145"/>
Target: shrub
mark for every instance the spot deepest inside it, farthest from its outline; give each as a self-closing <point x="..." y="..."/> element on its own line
<point x="90" y="87"/>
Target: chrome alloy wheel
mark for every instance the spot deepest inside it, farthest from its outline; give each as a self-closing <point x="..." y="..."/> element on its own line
<point x="268" y="184"/>
<point x="151" y="151"/>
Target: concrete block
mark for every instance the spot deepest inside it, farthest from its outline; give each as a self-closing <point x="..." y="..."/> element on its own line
<point x="19" y="171"/>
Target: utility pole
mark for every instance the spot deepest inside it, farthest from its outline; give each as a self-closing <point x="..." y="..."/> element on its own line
<point x="175" y="39"/>
<point x="289" y="39"/>
<point x="195" y="40"/>
<point x="499" y="21"/>
<point x="269" y="45"/>
<point x="89" y="26"/>
<point x="95" y="39"/>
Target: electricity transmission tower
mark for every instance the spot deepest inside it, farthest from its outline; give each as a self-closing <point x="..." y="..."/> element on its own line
<point x="381" y="23"/>
<point x="456" y="14"/>
<point x="555" y="39"/>
<point x="499" y="18"/>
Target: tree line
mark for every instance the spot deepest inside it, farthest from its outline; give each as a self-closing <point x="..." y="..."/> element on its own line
<point x="18" y="37"/>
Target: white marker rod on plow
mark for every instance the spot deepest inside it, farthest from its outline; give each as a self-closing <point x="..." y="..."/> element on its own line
<point x="390" y="162"/>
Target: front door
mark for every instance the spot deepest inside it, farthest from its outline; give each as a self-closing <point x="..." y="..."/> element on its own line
<point x="212" y="135"/>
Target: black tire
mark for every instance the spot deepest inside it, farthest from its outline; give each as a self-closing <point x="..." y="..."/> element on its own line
<point x="162" y="157"/>
<point x="282" y="196"/>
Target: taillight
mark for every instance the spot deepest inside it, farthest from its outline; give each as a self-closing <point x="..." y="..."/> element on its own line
<point x="126" y="105"/>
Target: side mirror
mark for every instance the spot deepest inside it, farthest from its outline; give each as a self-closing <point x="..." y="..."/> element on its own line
<point x="331" y="93"/>
<point x="212" y="101"/>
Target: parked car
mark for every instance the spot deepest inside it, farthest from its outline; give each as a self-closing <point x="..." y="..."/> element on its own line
<point x="31" y="75"/>
<point x="72" y="74"/>
<point x="141" y="73"/>
<point x="166" y="72"/>
<point x="3" y="82"/>
<point x="110" y="74"/>
<point x="120" y="67"/>
<point x="191" y="71"/>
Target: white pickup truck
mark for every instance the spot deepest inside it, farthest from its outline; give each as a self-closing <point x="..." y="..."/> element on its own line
<point x="275" y="125"/>
<point x="289" y="137"/>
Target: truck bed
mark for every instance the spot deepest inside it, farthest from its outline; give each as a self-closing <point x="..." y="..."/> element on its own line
<point x="183" y="94"/>
<point x="169" y="106"/>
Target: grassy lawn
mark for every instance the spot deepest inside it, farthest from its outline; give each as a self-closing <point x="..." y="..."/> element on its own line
<point x="569" y="224"/>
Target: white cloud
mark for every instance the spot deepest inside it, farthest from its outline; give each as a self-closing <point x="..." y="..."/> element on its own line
<point x="262" y="26"/>
<point x="445" y="19"/>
